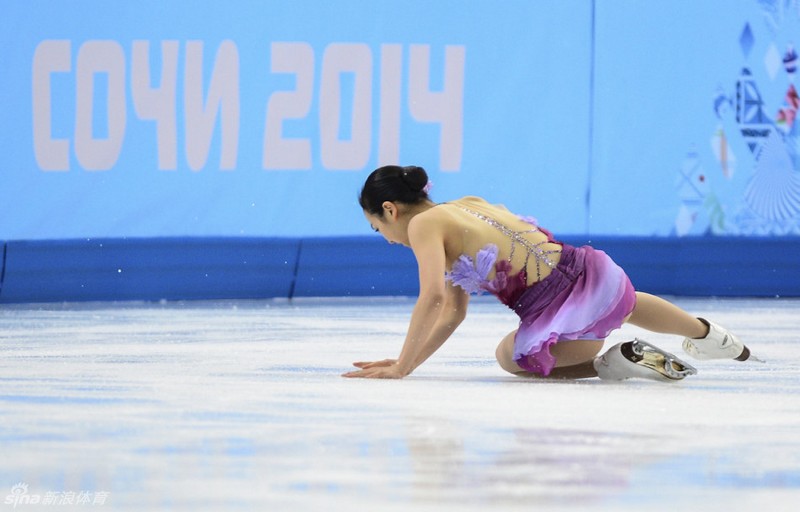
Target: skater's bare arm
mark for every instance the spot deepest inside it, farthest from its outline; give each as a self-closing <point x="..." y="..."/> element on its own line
<point x="452" y="314"/>
<point x="439" y="309"/>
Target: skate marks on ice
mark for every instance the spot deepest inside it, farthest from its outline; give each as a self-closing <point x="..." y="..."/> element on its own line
<point x="218" y="406"/>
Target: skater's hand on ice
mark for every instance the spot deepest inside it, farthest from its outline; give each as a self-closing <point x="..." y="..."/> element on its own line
<point x="386" y="369"/>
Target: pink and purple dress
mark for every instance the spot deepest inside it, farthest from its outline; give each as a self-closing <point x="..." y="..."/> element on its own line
<point x="585" y="296"/>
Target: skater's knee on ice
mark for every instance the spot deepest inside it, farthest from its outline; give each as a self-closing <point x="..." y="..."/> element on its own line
<point x="505" y="358"/>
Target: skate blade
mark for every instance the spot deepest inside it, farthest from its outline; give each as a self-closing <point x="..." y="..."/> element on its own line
<point x="660" y="361"/>
<point x="746" y="355"/>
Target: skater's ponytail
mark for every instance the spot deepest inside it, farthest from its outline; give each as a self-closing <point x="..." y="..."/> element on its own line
<point x="393" y="183"/>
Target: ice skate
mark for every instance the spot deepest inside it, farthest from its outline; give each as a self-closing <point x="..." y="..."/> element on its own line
<point x="719" y="343"/>
<point x="640" y="359"/>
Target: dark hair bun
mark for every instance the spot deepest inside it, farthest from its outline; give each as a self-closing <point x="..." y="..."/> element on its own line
<point x="395" y="184"/>
<point x="415" y="177"/>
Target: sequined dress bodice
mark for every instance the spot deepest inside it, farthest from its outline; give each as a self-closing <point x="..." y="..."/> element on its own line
<point x="472" y="274"/>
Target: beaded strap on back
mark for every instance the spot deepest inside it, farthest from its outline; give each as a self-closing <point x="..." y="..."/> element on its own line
<point x="516" y="238"/>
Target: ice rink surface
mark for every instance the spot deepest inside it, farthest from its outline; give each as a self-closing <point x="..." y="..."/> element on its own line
<point x="240" y="406"/>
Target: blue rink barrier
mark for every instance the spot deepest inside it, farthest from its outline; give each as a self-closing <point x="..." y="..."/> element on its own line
<point x="252" y="268"/>
<point x="147" y="269"/>
<point x="354" y="266"/>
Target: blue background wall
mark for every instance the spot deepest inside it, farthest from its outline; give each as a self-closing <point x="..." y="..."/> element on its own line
<point x="170" y="150"/>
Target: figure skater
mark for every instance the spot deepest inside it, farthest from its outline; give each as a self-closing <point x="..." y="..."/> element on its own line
<point x="568" y="298"/>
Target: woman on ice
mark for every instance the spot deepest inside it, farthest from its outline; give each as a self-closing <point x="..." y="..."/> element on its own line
<point x="568" y="298"/>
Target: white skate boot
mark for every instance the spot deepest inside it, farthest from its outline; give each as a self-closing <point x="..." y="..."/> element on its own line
<point x="638" y="358"/>
<point x="719" y="343"/>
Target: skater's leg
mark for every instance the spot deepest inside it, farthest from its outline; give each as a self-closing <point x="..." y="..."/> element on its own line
<point x="658" y="315"/>
<point x="573" y="358"/>
<point x="702" y="339"/>
<point x="577" y="360"/>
